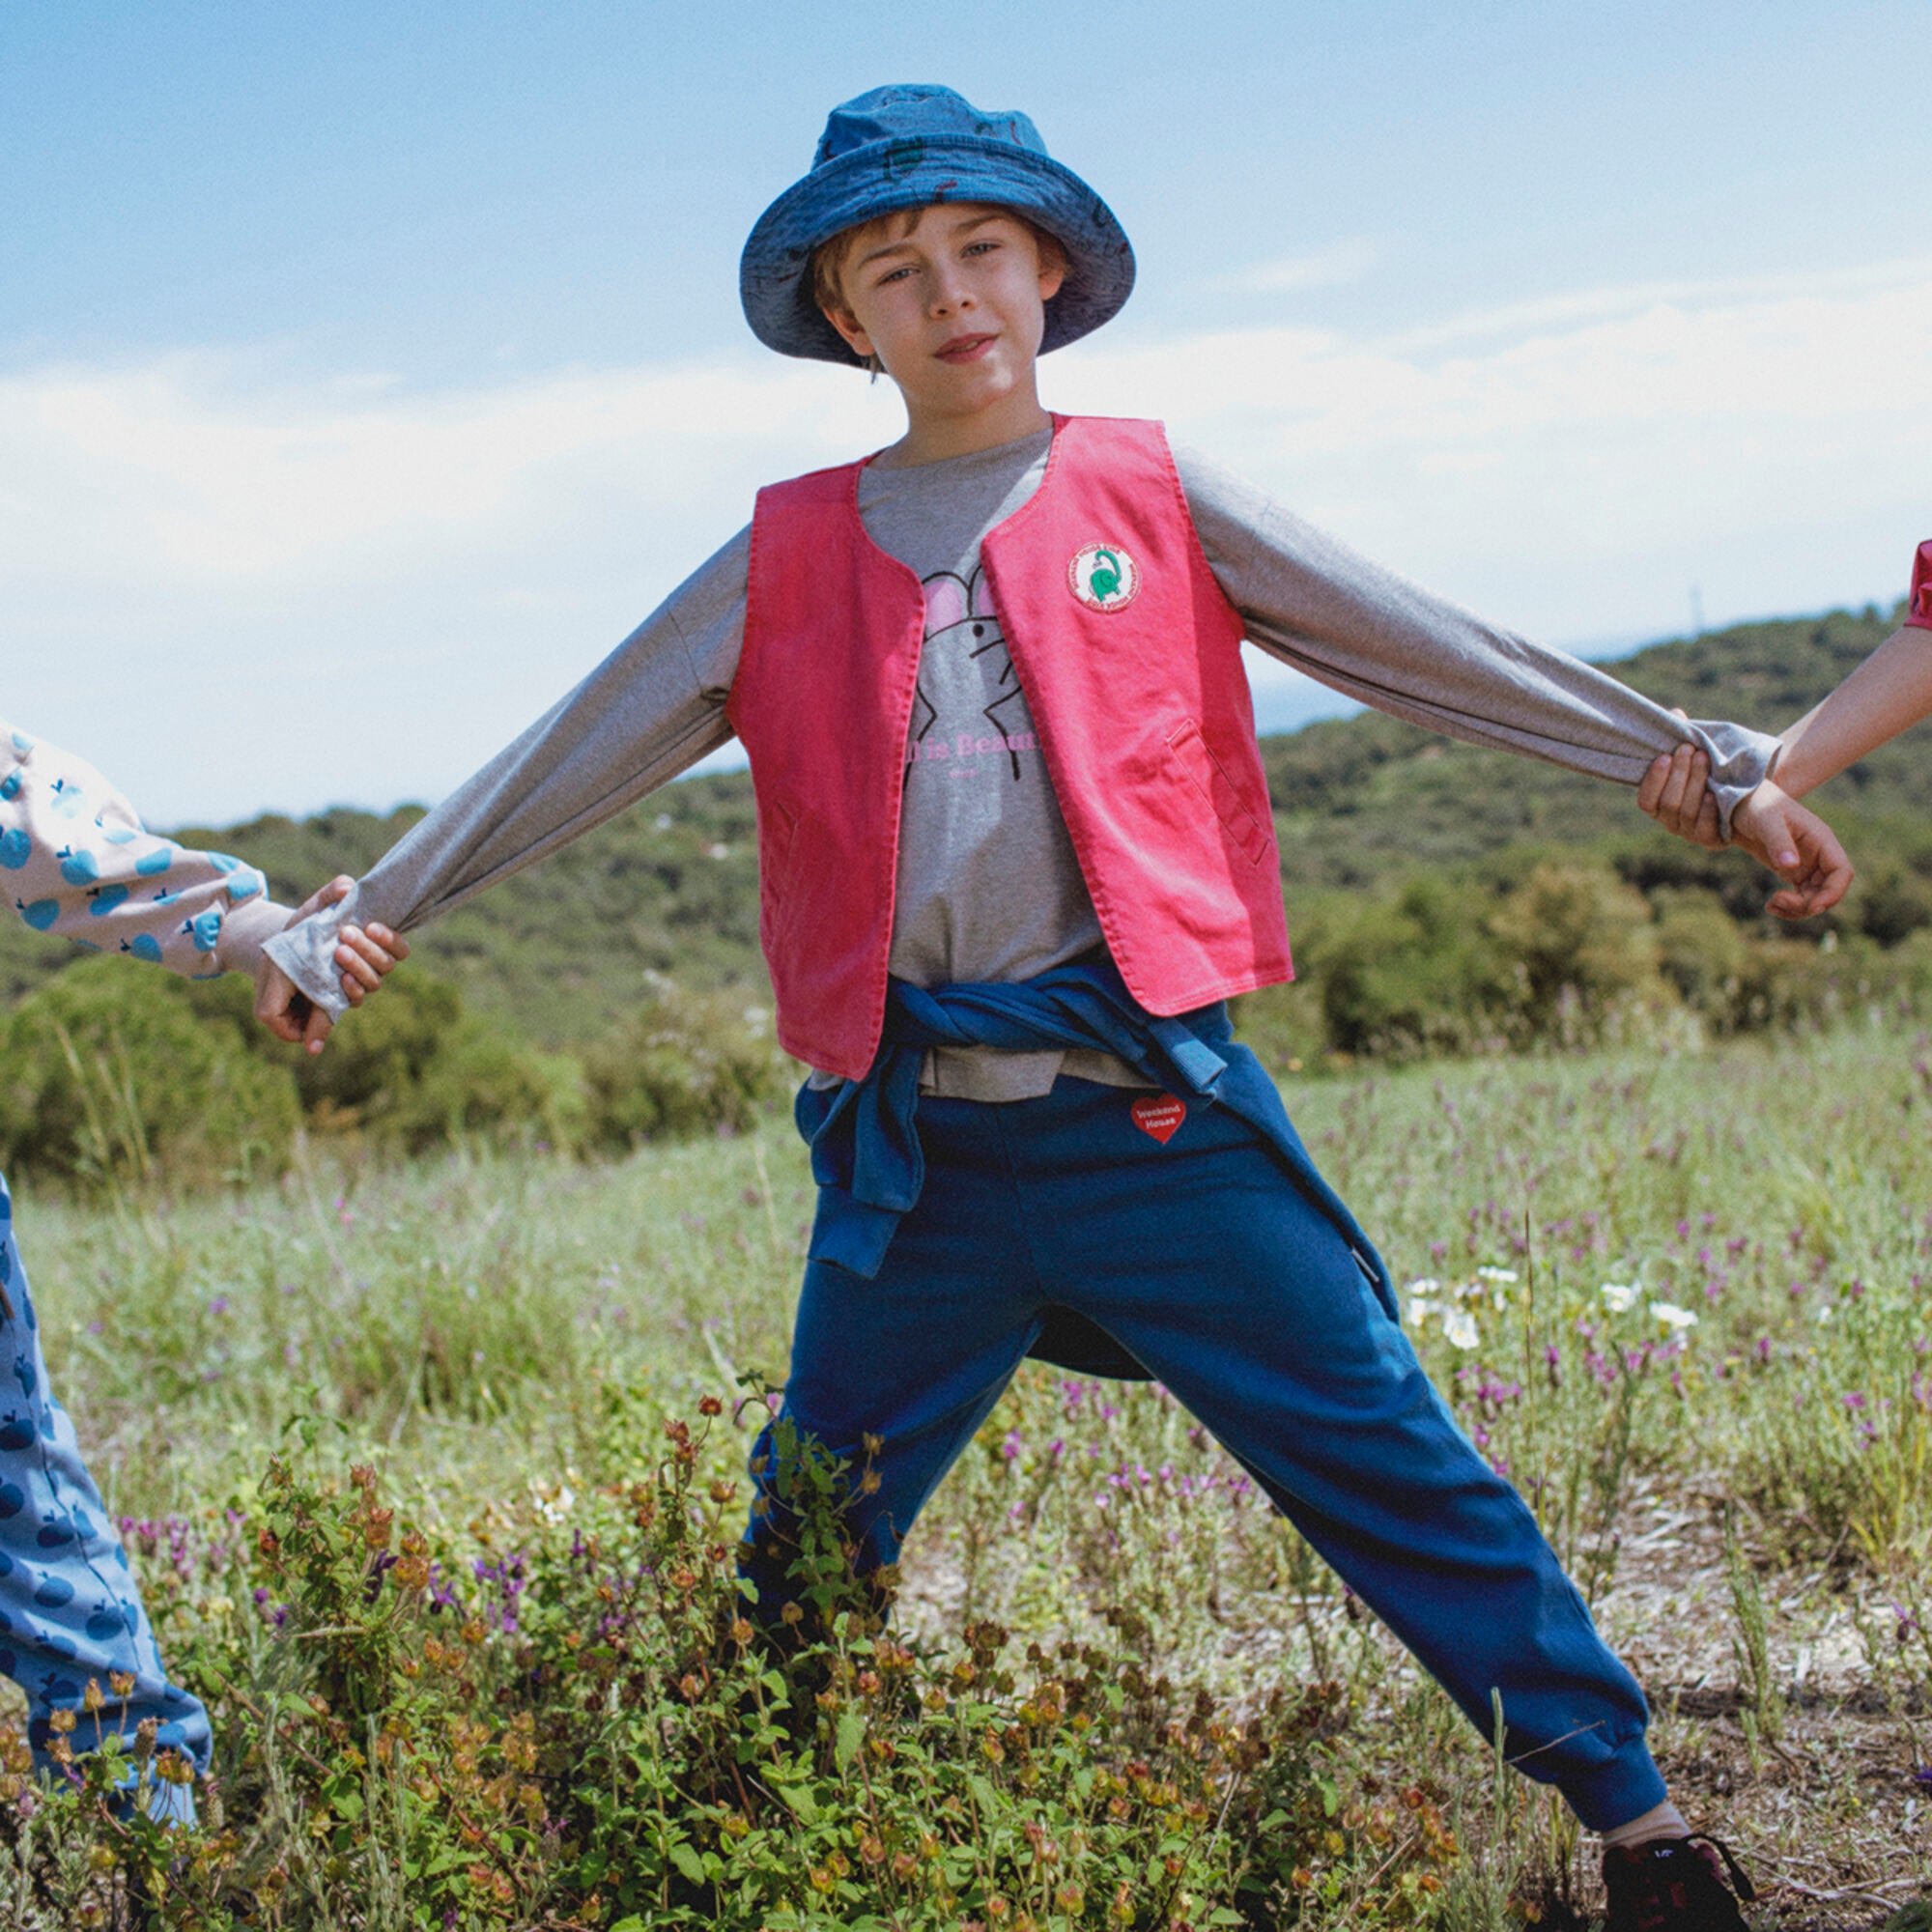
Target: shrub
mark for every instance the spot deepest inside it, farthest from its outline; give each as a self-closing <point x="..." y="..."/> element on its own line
<point x="587" y="1728"/>
<point x="107" y="1076"/>
<point x="1582" y="950"/>
<point x="1705" y="955"/>
<point x="1414" y="978"/>
<point x="411" y="1068"/>
<point x="685" y="1062"/>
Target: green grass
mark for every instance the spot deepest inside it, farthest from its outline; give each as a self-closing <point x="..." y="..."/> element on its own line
<point x="1748" y="1500"/>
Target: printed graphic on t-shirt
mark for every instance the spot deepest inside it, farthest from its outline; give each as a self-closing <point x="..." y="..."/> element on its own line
<point x="969" y="711"/>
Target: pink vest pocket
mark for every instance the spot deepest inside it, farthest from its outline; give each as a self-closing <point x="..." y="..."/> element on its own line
<point x="1187" y="750"/>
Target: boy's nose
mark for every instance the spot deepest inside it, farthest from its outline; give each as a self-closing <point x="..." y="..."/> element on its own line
<point x="947" y="294"/>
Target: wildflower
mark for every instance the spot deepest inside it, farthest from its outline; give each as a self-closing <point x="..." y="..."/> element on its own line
<point x="1459" y="1326"/>
<point x="1671" y="1315"/>
<point x="1621" y="1296"/>
<point x="1496" y="1274"/>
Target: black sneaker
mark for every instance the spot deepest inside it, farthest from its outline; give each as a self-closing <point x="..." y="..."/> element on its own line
<point x="1674" y="1884"/>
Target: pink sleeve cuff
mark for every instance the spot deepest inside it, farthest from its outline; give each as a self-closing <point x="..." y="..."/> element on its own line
<point x="1918" y="602"/>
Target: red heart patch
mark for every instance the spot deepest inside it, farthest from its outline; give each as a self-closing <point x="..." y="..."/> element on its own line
<point x="1160" y="1115"/>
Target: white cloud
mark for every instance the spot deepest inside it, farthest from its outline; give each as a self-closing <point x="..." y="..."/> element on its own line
<point x="1339" y="265"/>
<point x="235" y="589"/>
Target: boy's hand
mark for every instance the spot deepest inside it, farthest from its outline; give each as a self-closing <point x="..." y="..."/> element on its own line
<point x="1798" y="845"/>
<point x="367" y="955"/>
<point x="1675" y="793"/>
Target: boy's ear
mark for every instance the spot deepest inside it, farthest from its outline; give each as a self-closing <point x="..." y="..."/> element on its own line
<point x="846" y="323"/>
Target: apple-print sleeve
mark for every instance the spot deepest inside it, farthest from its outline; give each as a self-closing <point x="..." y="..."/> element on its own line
<point x="77" y="862"/>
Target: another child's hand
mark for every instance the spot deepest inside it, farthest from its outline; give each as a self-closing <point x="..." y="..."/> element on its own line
<point x="1798" y="845"/>
<point x="367" y="955"/>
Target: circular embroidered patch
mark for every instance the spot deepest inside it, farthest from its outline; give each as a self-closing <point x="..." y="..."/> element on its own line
<point x="1104" y="576"/>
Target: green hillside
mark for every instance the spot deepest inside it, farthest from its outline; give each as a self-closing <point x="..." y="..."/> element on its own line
<point x="1363" y="805"/>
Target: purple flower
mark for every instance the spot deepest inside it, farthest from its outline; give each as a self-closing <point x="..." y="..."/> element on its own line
<point x="220" y="1305"/>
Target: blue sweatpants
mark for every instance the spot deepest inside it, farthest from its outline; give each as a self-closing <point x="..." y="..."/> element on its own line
<point x="70" y="1609"/>
<point x="1201" y="1259"/>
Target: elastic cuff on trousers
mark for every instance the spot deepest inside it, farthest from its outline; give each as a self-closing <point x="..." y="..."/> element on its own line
<point x="1623" y="1787"/>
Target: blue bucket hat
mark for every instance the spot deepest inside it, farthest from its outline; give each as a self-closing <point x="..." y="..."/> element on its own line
<point x="907" y="147"/>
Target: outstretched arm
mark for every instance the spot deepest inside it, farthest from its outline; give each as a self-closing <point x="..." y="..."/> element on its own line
<point x="1314" y="604"/>
<point x="649" y="711"/>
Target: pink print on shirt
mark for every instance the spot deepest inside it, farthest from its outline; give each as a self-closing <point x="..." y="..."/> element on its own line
<point x="969" y="710"/>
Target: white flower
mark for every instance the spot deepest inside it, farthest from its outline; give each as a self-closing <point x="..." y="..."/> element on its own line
<point x="1620" y="1295"/>
<point x="1496" y="1274"/>
<point x="1461" y="1328"/>
<point x="1425" y="1285"/>
<point x="1420" y="1309"/>
<point x="1671" y="1315"/>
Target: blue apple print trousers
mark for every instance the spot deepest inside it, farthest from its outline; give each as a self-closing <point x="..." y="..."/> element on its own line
<point x="70" y="1609"/>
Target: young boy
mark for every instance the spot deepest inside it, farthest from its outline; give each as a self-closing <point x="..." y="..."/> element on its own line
<point x="1015" y="852"/>
<point x="77" y="862"/>
<point x="1887" y="694"/>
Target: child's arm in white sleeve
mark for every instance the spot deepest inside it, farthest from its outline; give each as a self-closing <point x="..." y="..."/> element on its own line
<point x="649" y="711"/>
<point x="77" y="861"/>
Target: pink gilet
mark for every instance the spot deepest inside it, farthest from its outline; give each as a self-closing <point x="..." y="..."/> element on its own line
<point x="1131" y="659"/>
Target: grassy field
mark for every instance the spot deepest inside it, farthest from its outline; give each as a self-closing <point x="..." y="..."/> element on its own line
<point x="1685" y="1302"/>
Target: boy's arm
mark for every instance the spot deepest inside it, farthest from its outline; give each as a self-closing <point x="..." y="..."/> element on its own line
<point x="1314" y="604"/>
<point x="77" y="862"/>
<point x="649" y="711"/>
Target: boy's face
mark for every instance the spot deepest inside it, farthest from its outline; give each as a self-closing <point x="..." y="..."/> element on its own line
<point x="953" y="307"/>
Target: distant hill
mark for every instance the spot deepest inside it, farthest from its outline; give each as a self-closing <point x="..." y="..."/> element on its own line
<point x="563" y="950"/>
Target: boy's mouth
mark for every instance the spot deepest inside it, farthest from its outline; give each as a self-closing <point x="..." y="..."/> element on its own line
<point x="962" y="348"/>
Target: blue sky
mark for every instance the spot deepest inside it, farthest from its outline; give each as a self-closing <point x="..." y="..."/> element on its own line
<point x="366" y="372"/>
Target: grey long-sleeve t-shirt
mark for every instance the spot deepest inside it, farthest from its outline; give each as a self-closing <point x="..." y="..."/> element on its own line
<point x="989" y="886"/>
